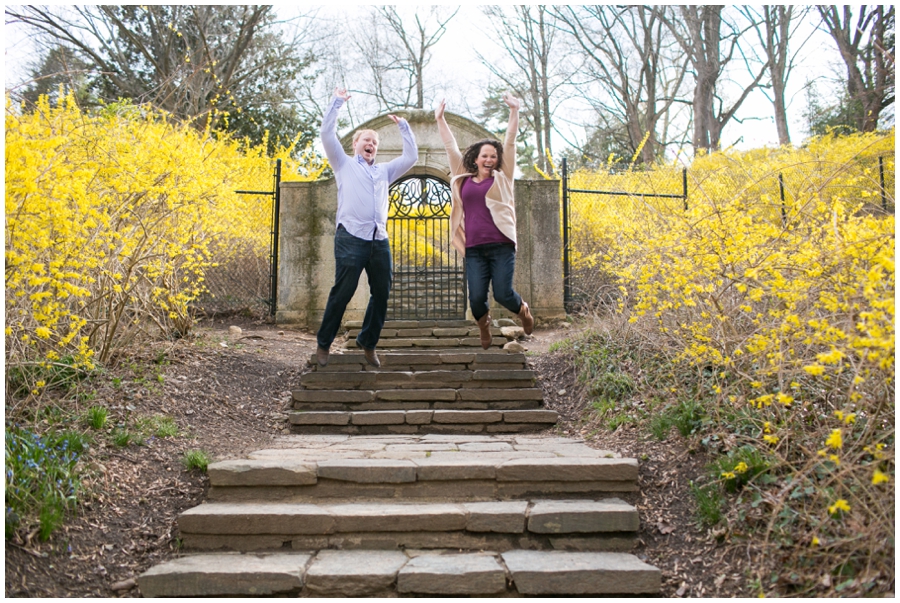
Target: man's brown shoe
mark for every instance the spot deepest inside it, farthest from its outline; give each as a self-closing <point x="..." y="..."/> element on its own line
<point x="371" y="357"/>
<point x="526" y="318"/>
<point x="322" y="356"/>
<point x="484" y="327"/>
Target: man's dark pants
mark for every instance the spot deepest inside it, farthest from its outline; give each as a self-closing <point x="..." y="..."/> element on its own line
<point x="352" y="255"/>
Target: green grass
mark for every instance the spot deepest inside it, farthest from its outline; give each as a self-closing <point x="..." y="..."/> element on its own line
<point x="95" y="417"/>
<point x="753" y="460"/>
<point x="603" y="405"/>
<point x="660" y="426"/>
<point x="122" y="438"/>
<point x="160" y="426"/>
<point x="687" y="417"/>
<point x="709" y="501"/>
<point x="164" y="427"/>
<point x="195" y="459"/>
<point x="618" y="420"/>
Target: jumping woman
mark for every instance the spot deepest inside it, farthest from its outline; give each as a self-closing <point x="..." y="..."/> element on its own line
<point x="483" y="218"/>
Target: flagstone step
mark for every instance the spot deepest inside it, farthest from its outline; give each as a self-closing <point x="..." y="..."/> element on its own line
<point x="418" y="380"/>
<point x="414" y="324"/>
<point x="607" y="524"/>
<point x="417" y="395"/>
<point x="339" y="573"/>
<point x="463" y="331"/>
<point x="421" y="421"/>
<point x="413" y="404"/>
<point x="428" y="360"/>
<point x="454" y="467"/>
<point x="497" y="342"/>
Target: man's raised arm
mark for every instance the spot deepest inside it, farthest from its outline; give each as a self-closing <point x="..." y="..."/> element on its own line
<point x="399" y="166"/>
<point x="330" y="141"/>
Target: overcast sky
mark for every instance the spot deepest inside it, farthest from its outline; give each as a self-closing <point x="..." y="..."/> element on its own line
<point x="463" y="79"/>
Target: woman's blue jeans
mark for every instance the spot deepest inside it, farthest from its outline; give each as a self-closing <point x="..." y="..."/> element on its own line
<point x="491" y="264"/>
<point x="352" y="255"/>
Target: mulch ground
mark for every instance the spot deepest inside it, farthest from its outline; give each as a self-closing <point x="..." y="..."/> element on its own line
<point x="228" y="393"/>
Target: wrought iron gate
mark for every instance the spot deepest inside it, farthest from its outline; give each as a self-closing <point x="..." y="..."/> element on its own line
<point x="429" y="275"/>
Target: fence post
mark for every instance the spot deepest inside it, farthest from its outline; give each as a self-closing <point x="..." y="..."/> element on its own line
<point x="684" y="187"/>
<point x="565" y="208"/>
<point x="881" y="181"/>
<point x="781" y="191"/>
<point x="276" y="207"/>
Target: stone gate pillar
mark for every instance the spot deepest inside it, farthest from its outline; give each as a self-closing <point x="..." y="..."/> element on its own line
<point x="307" y="227"/>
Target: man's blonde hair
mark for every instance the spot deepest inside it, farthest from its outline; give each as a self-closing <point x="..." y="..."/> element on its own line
<point x="359" y="133"/>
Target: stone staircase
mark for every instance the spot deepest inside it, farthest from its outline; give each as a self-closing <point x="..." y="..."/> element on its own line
<point x="434" y="378"/>
<point x="414" y="479"/>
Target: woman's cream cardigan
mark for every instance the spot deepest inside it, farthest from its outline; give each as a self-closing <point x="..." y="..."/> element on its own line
<point x="499" y="199"/>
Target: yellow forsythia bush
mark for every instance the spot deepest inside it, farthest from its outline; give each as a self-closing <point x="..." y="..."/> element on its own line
<point x="112" y="219"/>
<point x="789" y="305"/>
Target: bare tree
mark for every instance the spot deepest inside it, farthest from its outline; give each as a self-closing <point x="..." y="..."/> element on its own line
<point x="395" y="52"/>
<point x="527" y="35"/>
<point x="699" y="31"/>
<point x="776" y="27"/>
<point x="631" y="56"/>
<point x="190" y="60"/>
<point x="867" y="48"/>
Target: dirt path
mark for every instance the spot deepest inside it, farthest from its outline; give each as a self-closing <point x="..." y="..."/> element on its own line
<point x="228" y="392"/>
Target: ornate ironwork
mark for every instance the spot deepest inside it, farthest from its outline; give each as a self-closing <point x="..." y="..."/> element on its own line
<point x="429" y="275"/>
<point x="419" y="197"/>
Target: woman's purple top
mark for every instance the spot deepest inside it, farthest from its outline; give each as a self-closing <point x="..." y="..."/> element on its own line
<point x="480" y="227"/>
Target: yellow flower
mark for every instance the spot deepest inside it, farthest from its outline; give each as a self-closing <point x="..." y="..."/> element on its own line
<point x="839" y="505"/>
<point x="815" y="541"/>
<point x="879" y="478"/>
<point x="814" y="369"/>
<point x="771" y="439"/>
<point x="741" y="467"/>
<point x="832" y="357"/>
<point x="835" y="440"/>
<point x="728" y="475"/>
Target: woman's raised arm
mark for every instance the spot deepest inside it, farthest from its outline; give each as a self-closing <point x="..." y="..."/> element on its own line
<point x="512" y="129"/>
<point x="454" y="156"/>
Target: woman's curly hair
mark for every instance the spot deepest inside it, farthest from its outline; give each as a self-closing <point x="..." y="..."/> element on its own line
<point x="472" y="152"/>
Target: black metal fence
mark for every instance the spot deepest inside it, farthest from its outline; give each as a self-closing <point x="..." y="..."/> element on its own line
<point x="623" y="193"/>
<point x="245" y="271"/>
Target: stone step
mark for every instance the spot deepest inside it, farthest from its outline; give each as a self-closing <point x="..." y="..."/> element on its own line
<point x="607" y="524"/>
<point x="421" y="421"/>
<point x="438" y="397"/>
<point x="413" y="324"/>
<point x="431" y="342"/>
<point x="427" y="332"/>
<point x="439" y="379"/>
<point x="415" y="361"/>
<point x="449" y="467"/>
<point x="334" y="573"/>
<point x="412" y="404"/>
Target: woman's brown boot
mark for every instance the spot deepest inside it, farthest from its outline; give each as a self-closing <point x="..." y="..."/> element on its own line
<point x="484" y="325"/>
<point x="526" y="318"/>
